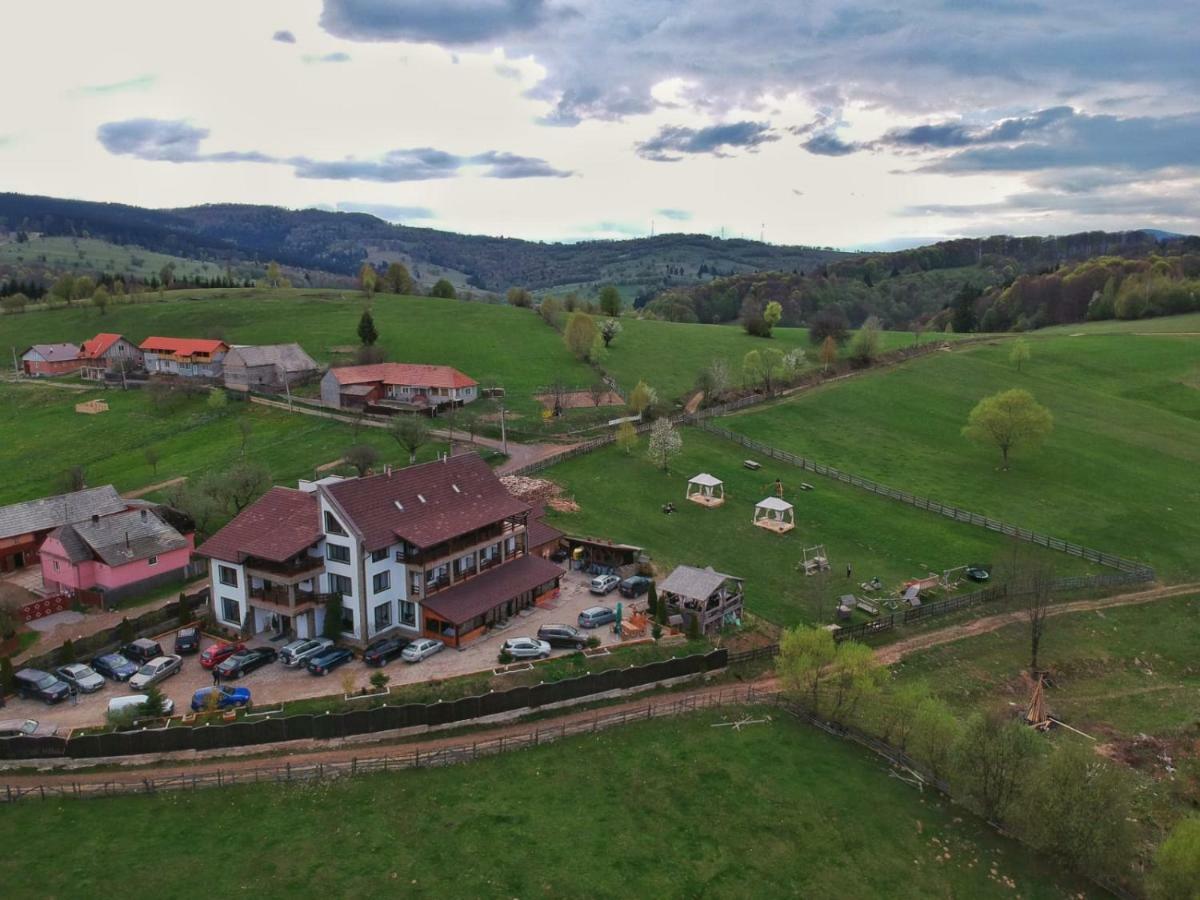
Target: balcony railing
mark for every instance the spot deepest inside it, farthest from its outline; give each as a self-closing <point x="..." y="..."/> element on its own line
<point x="296" y="568"/>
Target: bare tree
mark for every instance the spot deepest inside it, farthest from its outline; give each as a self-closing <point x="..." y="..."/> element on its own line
<point x="244" y="429"/>
<point x="362" y="457"/>
<point x="75" y="478"/>
<point x="597" y="392"/>
<point x="1038" y="587"/>
<point x="411" y="433"/>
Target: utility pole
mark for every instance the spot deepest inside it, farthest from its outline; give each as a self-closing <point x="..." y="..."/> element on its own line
<point x="16" y="368"/>
<point x="503" y="432"/>
<point x="287" y="386"/>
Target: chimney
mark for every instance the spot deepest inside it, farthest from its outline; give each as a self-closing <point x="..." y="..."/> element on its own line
<point x="388" y="470"/>
<point x="95" y="519"/>
<point x="127" y="540"/>
<point x="143" y="515"/>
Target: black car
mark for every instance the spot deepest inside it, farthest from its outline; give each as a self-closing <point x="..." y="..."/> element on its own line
<point x="326" y="662"/>
<point x="187" y="640"/>
<point x="383" y="652"/>
<point x="38" y="685"/>
<point x="142" y="650"/>
<point x="634" y="586"/>
<point x="561" y="554"/>
<point x="246" y="661"/>
<point x="562" y="636"/>
<point x="115" y="666"/>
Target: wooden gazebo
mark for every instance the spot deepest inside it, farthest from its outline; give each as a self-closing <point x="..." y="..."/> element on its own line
<point x="706" y="490"/>
<point x="775" y="514"/>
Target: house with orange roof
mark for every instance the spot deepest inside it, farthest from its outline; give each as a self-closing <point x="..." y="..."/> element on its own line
<point x="108" y="352"/>
<point x="397" y="386"/>
<point x="185" y="357"/>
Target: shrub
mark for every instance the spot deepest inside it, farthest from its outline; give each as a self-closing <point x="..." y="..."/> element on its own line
<point x="6" y="675"/>
<point x="66" y="653"/>
<point x="593" y="642"/>
<point x="126" y="631"/>
<point x="155" y="705"/>
<point x="182" y="614"/>
<point x="656" y="631"/>
<point x="379" y="680"/>
<point x="505" y="657"/>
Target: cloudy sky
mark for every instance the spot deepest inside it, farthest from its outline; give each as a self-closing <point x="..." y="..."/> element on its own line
<point x="839" y="123"/>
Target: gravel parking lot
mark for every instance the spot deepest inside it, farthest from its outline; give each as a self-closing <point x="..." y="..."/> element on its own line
<point x="275" y="683"/>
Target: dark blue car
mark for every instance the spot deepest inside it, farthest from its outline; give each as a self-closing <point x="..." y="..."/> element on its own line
<point x="229" y="697"/>
<point x="326" y="662"/>
<point x="114" y="666"/>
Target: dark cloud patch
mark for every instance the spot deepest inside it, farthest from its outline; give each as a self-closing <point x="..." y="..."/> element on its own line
<point x="165" y="140"/>
<point x="675" y="215"/>
<point x="284" y="36"/>
<point x="829" y="144"/>
<point x="511" y="165"/>
<point x="387" y="211"/>
<point x="957" y="134"/>
<point x="419" y="164"/>
<point x="673" y="142"/>
<point x="449" y="22"/>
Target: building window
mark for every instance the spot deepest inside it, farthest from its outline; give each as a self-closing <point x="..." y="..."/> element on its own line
<point x="408" y="613"/>
<point x="231" y="610"/>
<point x="56" y="565"/>
<point x="347" y="619"/>
<point x="337" y="552"/>
<point x="379" y="555"/>
<point x="227" y="576"/>
<point x="381" y="582"/>
<point x="383" y="616"/>
<point x="332" y="525"/>
<point x="340" y="584"/>
<point x="152" y="561"/>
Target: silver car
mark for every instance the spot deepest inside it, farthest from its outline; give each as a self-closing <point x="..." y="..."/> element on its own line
<point x="421" y="648"/>
<point x="27" y="728"/>
<point x="298" y="653"/>
<point x="526" y="648"/>
<point x="158" y="669"/>
<point x="83" y="678"/>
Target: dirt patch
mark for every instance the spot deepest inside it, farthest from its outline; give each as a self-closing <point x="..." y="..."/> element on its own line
<point x="1154" y="756"/>
<point x="151" y="488"/>
<point x="331" y="465"/>
<point x="539" y="490"/>
<point x="580" y="400"/>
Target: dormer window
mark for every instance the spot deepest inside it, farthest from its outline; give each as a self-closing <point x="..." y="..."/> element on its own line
<point x="332" y="525"/>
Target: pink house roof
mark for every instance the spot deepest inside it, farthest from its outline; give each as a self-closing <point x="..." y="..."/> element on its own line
<point x="98" y="346"/>
<point x="183" y="346"/>
<point x="404" y="374"/>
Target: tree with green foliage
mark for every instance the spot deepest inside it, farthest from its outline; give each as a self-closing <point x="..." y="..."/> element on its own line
<point x="765" y="367"/>
<point x="398" y="279"/>
<point x="963" y="309"/>
<point x="609" y="329"/>
<point x="642" y="398"/>
<point x="627" y="437"/>
<point x="183" y="615"/>
<point x="934" y="733"/>
<point x="125" y="631"/>
<point x="100" y="299"/>
<point x="379" y="680"/>
<point x="991" y="760"/>
<point x="830" y="322"/>
<point x="693" y="627"/>
<point x="410" y="433"/>
<point x="519" y="297"/>
<point x="805" y="654"/>
<point x="854" y="675"/>
<point x="332" y="626"/>
<point x="63" y="289"/>
<point x="1009" y="420"/>
<point x="14" y="303"/>
<point x="368" y="334"/>
<point x="1019" y="354"/>
<point x="895" y="714"/>
<point x="361" y="457"/>
<point x="7" y="675"/>
<point x="772" y="314"/>
<point x="85" y="287"/>
<point x="867" y="343"/>
<point x="155" y="704"/>
<point x="652" y="600"/>
<point x="240" y="485"/>
<point x="549" y="309"/>
<point x="152" y="455"/>
<point x="368" y="278"/>
<point x="828" y="353"/>
<point x="580" y="334"/>
<point x="610" y="301"/>
<point x="443" y="289"/>
<point x="66" y="653"/>
<point x="665" y="443"/>
<point x="1176" y="872"/>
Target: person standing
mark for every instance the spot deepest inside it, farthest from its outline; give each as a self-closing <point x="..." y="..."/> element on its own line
<point x="216" y="677"/>
<point x="848" y="570"/>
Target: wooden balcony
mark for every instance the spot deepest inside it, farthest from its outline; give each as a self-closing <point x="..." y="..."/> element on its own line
<point x="291" y="572"/>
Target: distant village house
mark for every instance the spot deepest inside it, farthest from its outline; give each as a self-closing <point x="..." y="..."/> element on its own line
<point x="42" y="360"/>
<point x="185" y="357"/>
<point x="269" y="367"/>
<point x="108" y="353"/>
<point x="399" y="386"/>
<point x="25" y="526"/>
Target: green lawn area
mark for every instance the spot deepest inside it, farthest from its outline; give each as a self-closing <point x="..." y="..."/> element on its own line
<point x="1118" y="473"/>
<point x="88" y="255"/>
<point x="668" y="808"/>
<point x="44" y="437"/>
<point x="1188" y="323"/>
<point x="621" y="499"/>
<point x="1116" y="672"/>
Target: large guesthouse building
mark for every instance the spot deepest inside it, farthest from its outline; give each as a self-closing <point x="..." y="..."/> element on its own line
<point x="438" y="550"/>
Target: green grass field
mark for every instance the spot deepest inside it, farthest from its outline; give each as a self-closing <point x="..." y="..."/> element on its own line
<point x="1187" y="324"/>
<point x="1118" y="473"/>
<point x="621" y="499"/>
<point x="44" y="437"/>
<point x="87" y="255"/>
<point x="670" y="808"/>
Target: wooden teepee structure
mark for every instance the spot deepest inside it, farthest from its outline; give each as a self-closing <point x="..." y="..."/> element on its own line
<point x="1036" y="715"/>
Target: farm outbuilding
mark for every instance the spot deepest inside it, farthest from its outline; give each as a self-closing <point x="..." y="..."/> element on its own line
<point x="775" y="514"/>
<point x="712" y="597"/>
<point x="267" y="367"/>
<point x="42" y="360"/>
<point x="706" y="490"/>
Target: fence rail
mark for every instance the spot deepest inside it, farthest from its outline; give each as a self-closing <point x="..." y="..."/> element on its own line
<point x="412" y="759"/>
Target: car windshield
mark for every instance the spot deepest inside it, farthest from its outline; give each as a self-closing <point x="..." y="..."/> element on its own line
<point x="46" y="681"/>
<point x="82" y="672"/>
<point x="116" y="660"/>
<point x="147" y="669"/>
<point x="29" y="726"/>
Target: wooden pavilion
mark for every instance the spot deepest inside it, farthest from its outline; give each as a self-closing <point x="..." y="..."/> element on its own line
<point x="775" y="514"/>
<point x="706" y="490"/>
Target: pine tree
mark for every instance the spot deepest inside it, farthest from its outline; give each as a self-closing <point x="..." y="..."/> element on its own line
<point x="367" y="333"/>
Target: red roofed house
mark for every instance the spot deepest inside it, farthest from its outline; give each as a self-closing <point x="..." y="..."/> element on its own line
<point x="399" y="385"/>
<point x="186" y="357"/>
<point x="439" y="549"/>
<point x="108" y="353"/>
<point x="41" y="360"/>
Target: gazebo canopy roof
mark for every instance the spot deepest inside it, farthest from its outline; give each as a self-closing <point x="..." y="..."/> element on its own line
<point x="705" y="480"/>
<point x="693" y="583"/>
<point x="773" y="503"/>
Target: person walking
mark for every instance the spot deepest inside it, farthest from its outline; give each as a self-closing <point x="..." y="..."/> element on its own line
<point x="216" y="677"/>
<point x="848" y="570"/>
<point x="74" y="695"/>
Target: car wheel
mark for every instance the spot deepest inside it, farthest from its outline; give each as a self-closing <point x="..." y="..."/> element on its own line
<point x="543" y="655"/>
<point x="579" y="646"/>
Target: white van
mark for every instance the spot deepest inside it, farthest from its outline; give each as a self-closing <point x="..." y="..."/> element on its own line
<point x="121" y="704"/>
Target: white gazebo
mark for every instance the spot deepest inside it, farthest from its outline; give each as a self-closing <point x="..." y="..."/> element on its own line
<point x="706" y="490"/>
<point x="775" y="514"/>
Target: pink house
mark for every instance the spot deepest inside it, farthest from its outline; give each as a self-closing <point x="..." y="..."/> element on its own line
<point x="118" y="555"/>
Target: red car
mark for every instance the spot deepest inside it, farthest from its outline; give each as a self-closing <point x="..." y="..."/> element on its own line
<point x="218" y="652"/>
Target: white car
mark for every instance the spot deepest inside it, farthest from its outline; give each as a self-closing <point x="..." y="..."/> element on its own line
<point x="297" y="653"/>
<point x="604" y="584"/>
<point x="526" y="648"/>
<point x="158" y="669"/>
<point x="421" y="648"/>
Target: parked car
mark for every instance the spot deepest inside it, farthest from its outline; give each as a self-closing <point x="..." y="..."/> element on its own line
<point x="27" y="728"/>
<point x="595" y="616"/>
<point x="421" y="648"/>
<point x="115" y="666"/>
<point x="328" y="660"/>
<point x="383" y="652"/>
<point x="526" y="648"/>
<point x="83" y="678"/>
<point x="634" y="586"/>
<point x="218" y="653"/>
<point x="562" y="636"/>
<point x="187" y="640"/>
<point x="246" y="661"/>
<point x="560" y="554"/>
<point x="228" y="697"/>
<point x="604" y="584"/>
<point x="38" y="685"/>
<point x="133" y="701"/>
<point x="158" y="669"/>
<point x="142" y="650"/>
<point x="297" y="653"/>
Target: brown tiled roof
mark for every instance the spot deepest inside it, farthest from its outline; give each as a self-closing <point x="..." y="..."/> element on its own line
<point x="539" y="532"/>
<point x="460" y="494"/>
<point x="465" y="601"/>
<point x="277" y="526"/>
<point x="404" y="374"/>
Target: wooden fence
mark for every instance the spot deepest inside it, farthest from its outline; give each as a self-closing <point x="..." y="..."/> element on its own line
<point x="415" y="758"/>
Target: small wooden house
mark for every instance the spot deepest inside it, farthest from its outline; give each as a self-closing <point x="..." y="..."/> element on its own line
<point x="108" y="353"/>
<point x="270" y="367"/>
<point x="43" y="360"/>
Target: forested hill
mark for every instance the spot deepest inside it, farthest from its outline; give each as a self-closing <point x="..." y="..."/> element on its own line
<point x="319" y="241"/>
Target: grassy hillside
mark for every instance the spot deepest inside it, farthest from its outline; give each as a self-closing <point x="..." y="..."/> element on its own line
<point x="87" y="255"/>
<point x="1186" y="325"/>
<point x="1119" y="471"/>
<point x="621" y="499"/>
<point x="804" y="814"/>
